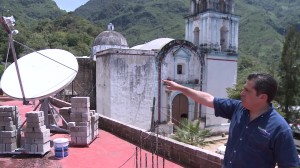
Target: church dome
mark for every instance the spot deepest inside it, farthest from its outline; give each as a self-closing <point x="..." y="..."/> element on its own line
<point x="109" y="39"/>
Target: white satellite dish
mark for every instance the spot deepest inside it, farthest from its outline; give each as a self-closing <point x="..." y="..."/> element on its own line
<point x="43" y="73"/>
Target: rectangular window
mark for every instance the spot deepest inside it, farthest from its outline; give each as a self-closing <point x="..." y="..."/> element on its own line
<point x="179" y="69"/>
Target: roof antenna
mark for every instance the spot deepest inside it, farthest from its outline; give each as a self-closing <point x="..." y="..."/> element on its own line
<point x="9" y="26"/>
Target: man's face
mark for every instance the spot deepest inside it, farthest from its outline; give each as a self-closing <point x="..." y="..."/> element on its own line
<point x="249" y="96"/>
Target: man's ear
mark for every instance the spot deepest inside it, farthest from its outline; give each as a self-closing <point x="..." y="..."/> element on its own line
<point x="263" y="97"/>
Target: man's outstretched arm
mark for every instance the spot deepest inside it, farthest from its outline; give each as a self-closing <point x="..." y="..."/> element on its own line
<point x="203" y="98"/>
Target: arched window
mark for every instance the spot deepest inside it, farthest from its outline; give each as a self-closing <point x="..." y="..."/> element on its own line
<point x="197" y="6"/>
<point x="203" y="5"/>
<point x="222" y="6"/>
<point x="193" y="6"/>
<point x="223" y="38"/>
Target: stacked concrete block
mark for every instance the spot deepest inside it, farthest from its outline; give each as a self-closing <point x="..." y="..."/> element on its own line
<point x="94" y="123"/>
<point x="80" y="121"/>
<point x="9" y="123"/>
<point x="36" y="135"/>
<point x="82" y="125"/>
<point x="65" y="113"/>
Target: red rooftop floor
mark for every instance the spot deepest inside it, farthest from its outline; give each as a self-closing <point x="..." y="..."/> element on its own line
<point x="106" y="151"/>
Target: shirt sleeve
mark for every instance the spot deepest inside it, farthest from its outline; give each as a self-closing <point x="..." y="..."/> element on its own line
<point x="225" y="107"/>
<point x="285" y="151"/>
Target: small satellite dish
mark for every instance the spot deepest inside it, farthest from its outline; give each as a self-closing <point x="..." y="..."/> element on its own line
<point x="43" y="73"/>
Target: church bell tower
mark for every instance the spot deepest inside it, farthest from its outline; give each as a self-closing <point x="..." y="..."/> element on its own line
<point x="213" y="28"/>
<point x="212" y="25"/>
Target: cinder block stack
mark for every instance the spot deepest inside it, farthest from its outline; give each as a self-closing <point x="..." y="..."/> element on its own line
<point x="37" y="137"/>
<point x="81" y="125"/>
<point x="65" y="113"/>
<point x="9" y="123"/>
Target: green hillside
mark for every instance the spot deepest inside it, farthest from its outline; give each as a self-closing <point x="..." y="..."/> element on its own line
<point x="43" y="25"/>
<point x="138" y="20"/>
<point x="261" y="29"/>
<point x="262" y="26"/>
<point x="30" y="11"/>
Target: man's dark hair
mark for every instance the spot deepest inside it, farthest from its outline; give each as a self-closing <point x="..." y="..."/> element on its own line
<point x="264" y="84"/>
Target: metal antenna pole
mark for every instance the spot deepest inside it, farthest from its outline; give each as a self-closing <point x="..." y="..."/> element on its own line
<point x="8" y="48"/>
<point x="8" y="27"/>
<point x="136" y="157"/>
<point x="11" y="41"/>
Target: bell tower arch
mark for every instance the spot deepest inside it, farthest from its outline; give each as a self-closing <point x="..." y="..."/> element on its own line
<point x="217" y="22"/>
<point x="223" y="38"/>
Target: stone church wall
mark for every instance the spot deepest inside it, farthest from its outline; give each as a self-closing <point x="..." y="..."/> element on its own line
<point x="126" y="86"/>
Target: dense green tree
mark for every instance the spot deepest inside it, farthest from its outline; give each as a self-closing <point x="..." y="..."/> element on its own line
<point x="37" y="41"/>
<point x="289" y="73"/>
<point x="1" y="69"/>
<point x="246" y="65"/>
<point x="68" y="32"/>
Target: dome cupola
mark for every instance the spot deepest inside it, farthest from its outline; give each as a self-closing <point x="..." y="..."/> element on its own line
<point x="109" y="39"/>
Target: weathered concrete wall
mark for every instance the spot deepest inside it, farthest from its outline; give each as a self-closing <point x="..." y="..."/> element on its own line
<point x="125" y="85"/>
<point x="221" y="73"/>
<point x="177" y="152"/>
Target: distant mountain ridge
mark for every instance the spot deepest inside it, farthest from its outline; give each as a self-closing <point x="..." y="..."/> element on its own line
<point x="261" y="27"/>
<point x="138" y="20"/>
<point x="42" y="25"/>
<point x="30" y="11"/>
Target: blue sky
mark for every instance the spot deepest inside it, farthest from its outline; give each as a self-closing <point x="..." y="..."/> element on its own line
<point x="70" y="5"/>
